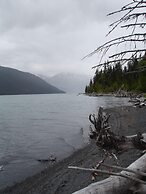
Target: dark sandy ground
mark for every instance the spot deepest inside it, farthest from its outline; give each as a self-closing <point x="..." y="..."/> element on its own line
<point x="58" y="179"/>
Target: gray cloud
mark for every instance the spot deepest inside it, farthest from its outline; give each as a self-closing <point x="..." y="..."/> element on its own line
<point x="34" y="13"/>
<point x="51" y="36"/>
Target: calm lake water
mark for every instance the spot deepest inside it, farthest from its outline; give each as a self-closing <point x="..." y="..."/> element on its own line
<point x="36" y="126"/>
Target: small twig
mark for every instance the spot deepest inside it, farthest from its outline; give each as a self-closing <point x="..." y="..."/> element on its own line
<point x="109" y="173"/>
<point x="100" y="163"/>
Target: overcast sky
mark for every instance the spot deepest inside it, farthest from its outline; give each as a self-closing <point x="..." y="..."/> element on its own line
<point x="51" y="36"/>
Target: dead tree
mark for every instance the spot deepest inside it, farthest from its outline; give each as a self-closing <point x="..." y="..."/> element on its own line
<point x="134" y="15"/>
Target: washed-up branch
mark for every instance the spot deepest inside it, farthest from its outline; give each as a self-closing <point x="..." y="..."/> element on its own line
<point x="108" y="173"/>
<point x="113" y="144"/>
<point x="117" y="184"/>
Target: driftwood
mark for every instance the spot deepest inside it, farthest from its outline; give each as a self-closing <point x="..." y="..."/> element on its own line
<point x="49" y="159"/>
<point x="109" y="172"/>
<point x="138" y="102"/>
<point x="107" y="140"/>
<point x="112" y="145"/>
<point x="117" y="184"/>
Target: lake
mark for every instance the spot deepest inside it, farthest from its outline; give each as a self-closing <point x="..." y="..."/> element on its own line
<point x="34" y="127"/>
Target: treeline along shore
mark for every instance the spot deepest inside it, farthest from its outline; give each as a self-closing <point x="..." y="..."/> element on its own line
<point x="110" y="79"/>
<point x="58" y="179"/>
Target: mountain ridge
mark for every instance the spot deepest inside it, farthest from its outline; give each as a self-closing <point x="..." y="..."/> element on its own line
<point x="15" y="82"/>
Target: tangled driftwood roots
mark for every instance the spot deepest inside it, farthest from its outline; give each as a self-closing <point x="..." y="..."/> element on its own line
<point x="107" y="140"/>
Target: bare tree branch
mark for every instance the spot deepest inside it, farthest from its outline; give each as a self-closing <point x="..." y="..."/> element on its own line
<point x="142" y="25"/>
<point x="116" y="23"/>
<point x="115" y="61"/>
<point x="133" y="16"/>
<point x="134" y="11"/>
<point x="129" y="51"/>
<point x="124" y="41"/>
<point x="125" y="8"/>
<point x="107" y="44"/>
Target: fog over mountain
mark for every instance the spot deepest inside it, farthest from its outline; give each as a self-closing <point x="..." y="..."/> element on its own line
<point x="69" y="82"/>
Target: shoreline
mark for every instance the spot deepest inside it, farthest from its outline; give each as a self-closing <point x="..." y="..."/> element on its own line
<point x="58" y="179"/>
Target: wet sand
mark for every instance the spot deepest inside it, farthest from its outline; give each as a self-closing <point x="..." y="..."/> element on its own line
<point x="58" y="179"/>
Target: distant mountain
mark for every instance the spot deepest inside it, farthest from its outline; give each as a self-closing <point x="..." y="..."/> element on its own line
<point x="14" y="82"/>
<point x="68" y="82"/>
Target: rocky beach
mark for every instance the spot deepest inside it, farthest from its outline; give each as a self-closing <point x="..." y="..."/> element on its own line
<point x="58" y="179"/>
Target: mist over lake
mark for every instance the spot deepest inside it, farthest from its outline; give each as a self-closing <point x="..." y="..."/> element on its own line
<point x="34" y="127"/>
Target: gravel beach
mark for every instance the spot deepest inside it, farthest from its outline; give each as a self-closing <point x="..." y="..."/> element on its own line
<point x="58" y="179"/>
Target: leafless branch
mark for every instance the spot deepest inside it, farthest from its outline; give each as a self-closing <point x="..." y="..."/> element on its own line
<point x="132" y="11"/>
<point x="116" y="23"/>
<point x="115" y="61"/>
<point x="123" y="41"/>
<point x="128" y="51"/>
<point x="133" y="16"/>
<point x="126" y="7"/>
<point x="142" y="25"/>
<point x="124" y="38"/>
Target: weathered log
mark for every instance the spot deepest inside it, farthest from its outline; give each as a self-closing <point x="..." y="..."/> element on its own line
<point x="114" y="184"/>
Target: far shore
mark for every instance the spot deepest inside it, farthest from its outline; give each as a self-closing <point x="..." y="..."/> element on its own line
<point x="58" y="179"/>
<point x="119" y="93"/>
